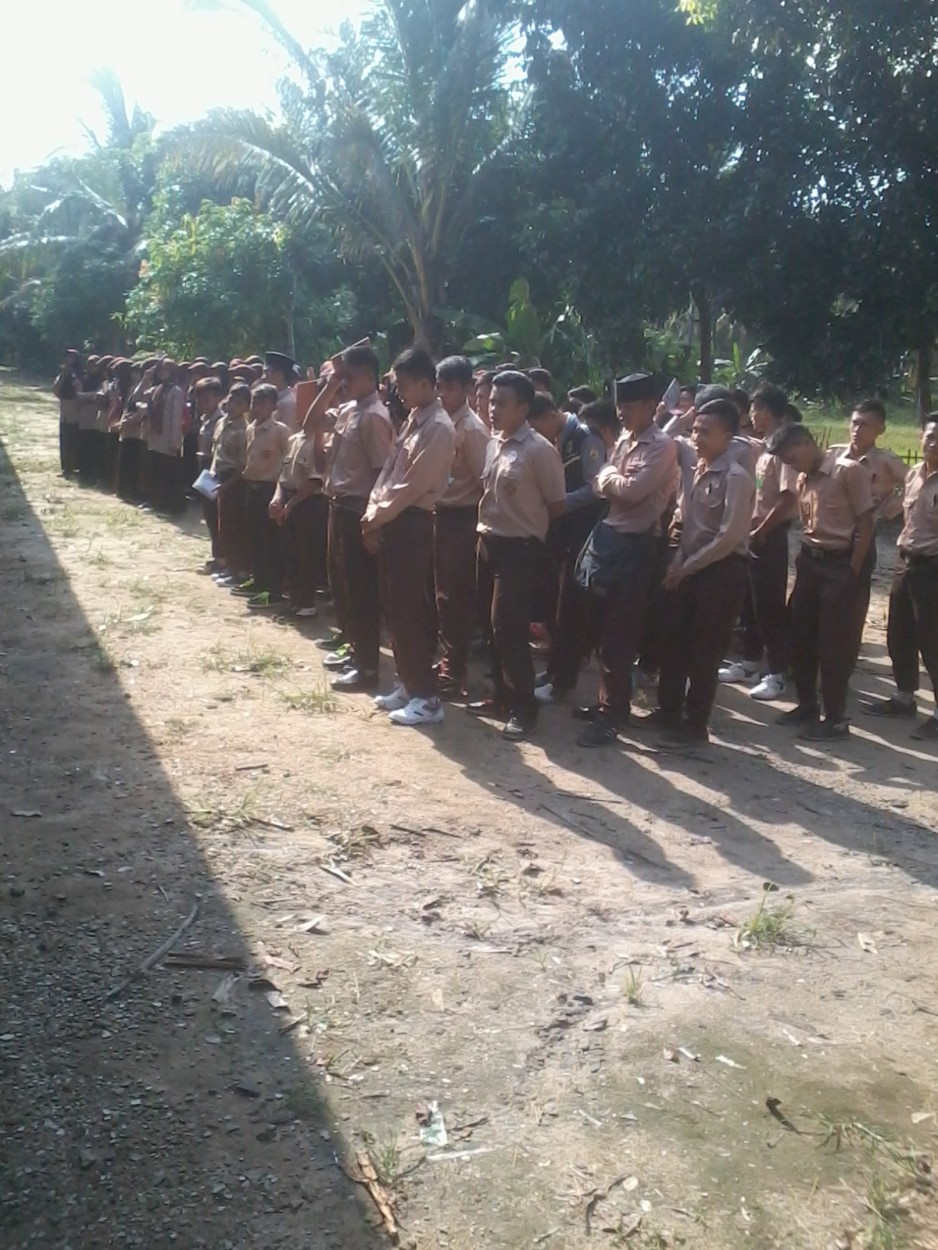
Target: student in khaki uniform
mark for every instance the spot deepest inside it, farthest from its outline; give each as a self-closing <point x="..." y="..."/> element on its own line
<point x="229" y="453"/>
<point x="66" y="389"/>
<point x="706" y="579"/>
<point x="454" y="535"/>
<point x="619" y="562"/>
<point x="208" y="412"/>
<point x="523" y="490"/>
<point x="283" y="372"/>
<point x="398" y="523"/>
<point x="266" y="445"/>
<point x="90" y="401"/>
<point x="836" y="505"/>
<point x="165" y="402"/>
<point x="300" y="508"/>
<point x="887" y="482"/>
<point x="764" y="621"/>
<point x="913" y="599"/>
<point x="350" y="412"/>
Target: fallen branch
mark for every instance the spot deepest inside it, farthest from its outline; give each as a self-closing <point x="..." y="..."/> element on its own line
<point x="216" y="963"/>
<point x="378" y="1193"/>
<point x="154" y="958"/>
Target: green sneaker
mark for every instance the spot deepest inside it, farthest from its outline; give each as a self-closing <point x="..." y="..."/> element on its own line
<point x="244" y="590"/>
<point x="338" y="659"/>
<point x="264" y="602"/>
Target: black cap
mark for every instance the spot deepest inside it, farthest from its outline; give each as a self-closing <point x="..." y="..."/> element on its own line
<point x="286" y="364"/>
<point x="637" y="387"/>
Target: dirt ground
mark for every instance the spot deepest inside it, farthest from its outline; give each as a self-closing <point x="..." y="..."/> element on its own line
<point x="562" y="950"/>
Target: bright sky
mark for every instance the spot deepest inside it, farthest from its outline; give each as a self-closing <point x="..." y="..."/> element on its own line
<point x="175" y="58"/>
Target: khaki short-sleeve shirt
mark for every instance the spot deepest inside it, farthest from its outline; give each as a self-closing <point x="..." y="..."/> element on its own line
<point x="523" y="475"/>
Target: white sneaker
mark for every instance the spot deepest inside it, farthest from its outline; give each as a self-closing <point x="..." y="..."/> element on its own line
<point x="393" y="702"/>
<point x="739" y="670"/>
<point x="772" y="686"/>
<point x="544" y="694"/>
<point x="419" y="712"/>
<point x="306" y="613"/>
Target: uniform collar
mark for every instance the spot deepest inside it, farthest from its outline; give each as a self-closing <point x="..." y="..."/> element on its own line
<point x="420" y="416"/>
<point x="463" y="414"/>
<point x="720" y="465"/>
<point x="523" y="432"/>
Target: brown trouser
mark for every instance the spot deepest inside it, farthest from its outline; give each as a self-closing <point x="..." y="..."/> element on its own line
<point x="264" y="539"/>
<point x="406" y="562"/>
<point x="353" y="576"/>
<point x="129" y="459"/>
<point x="232" y="529"/>
<point x="649" y="648"/>
<point x="824" y="609"/>
<point x="621" y="619"/>
<point x="696" y="630"/>
<point x="766" y="626"/>
<point x="302" y="549"/>
<point x="913" y="621"/>
<point x="454" y="562"/>
<point x="509" y="572"/>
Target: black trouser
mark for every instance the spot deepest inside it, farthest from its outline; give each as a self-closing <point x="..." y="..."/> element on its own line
<point x="649" y="648"/>
<point x="767" y="626"/>
<point x="569" y="627"/>
<point x="621" y="618"/>
<point x="509" y="572"/>
<point x="302" y="549"/>
<point x="406" y="562"/>
<point x="100" y="457"/>
<point x="209" y="508"/>
<point x="454" y="559"/>
<point x="112" y="459"/>
<point x="128" y="469"/>
<point x="85" y="455"/>
<point x="353" y="576"/>
<point x="264" y="539"/>
<point x="824" y="608"/>
<point x="68" y="446"/>
<point x="696" y="630"/>
<point x="913" y="621"/>
<point x="164" y="481"/>
<point x="192" y="462"/>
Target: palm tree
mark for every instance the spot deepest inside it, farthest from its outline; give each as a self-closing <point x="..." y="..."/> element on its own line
<point x="391" y="139"/>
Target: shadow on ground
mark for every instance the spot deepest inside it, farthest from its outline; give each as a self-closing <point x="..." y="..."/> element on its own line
<point x="180" y="1112"/>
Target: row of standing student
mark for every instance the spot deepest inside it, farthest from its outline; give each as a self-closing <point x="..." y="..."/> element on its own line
<point x="479" y="518"/>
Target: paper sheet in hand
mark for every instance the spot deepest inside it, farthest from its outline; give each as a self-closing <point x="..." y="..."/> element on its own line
<point x="207" y="484"/>
<point x="672" y="395"/>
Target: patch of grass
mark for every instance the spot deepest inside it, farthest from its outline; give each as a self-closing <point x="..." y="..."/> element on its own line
<point x="356" y="843"/>
<point x="232" y="817"/>
<point x="491" y="879"/>
<point x="303" y="1102"/>
<point x="178" y="726"/>
<point x="320" y="701"/>
<point x="103" y="661"/>
<point x="633" y="989"/>
<point x="15" y="511"/>
<point x="768" y="926"/>
<point x="386" y="1156"/>
<point x="255" y="663"/>
<point x="141" y="622"/>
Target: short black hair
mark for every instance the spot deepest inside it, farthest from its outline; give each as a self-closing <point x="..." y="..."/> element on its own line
<point x="540" y="406"/>
<point x="417" y="364"/>
<point x="601" y="413"/>
<point x="515" y="380"/>
<point x="787" y="436"/>
<point x="690" y="390"/>
<point x="265" y="390"/>
<point x="741" y="400"/>
<point x="793" y="414"/>
<point x="212" y="384"/>
<point x="713" y="391"/>
<point x="537" y="374"/>
<point x="574" y="406"/>
<point x="362" y="358"/>
<point x="455" y="369"/>
<point x="240" y="390"/>
<point x="486" y="378"/>
<point x="772" y="398"/>
<point x="585" y="394"/>
<point x="725" y="412"/>
<point x="872" y="408"/>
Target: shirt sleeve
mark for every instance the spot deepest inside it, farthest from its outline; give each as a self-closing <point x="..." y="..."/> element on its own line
<point x="377" y="436"/>
<point x="548" y="468"/>
<point x="475" y="450"/>
<point x="787" y="478"/>
<point x="426" y="474"/>
<point x="897" y="470"/>
<point x="592" y="458"/>
<point x="648" y="477"/>
<point x="858" y="485"/>
<point x="734" y="526"/>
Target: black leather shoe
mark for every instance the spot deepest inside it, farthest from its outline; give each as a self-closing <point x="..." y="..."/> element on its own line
<point x="355" y="681"/>
<point x="826" y="730"/>
<point x="891" y="707"/>
<point x="598" y="733"/>
<point x="927" y="731"/>
<point x="487" y="707"/>
<point x="801" y="715"/>
<point x="655" y="720"/>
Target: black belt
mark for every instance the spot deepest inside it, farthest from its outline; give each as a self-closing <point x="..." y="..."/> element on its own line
<point x="822" y="553"/>
<point x="918" y="559"/>
<point x="251" y="485"/>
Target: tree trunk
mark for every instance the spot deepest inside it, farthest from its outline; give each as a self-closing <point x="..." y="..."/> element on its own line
<point x="923" y="380"/>
<point x="698" y="294"/>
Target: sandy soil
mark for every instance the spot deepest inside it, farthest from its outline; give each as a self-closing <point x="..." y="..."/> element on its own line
<point x="549" y="944"/>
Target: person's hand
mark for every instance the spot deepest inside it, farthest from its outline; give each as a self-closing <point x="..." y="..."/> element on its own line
<point x="674" y="576"/>
<point x="757" y="535"/>
<point x="275" y="510"/>
<point x="372" y="541"/>
<point x="856" y="565"/>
